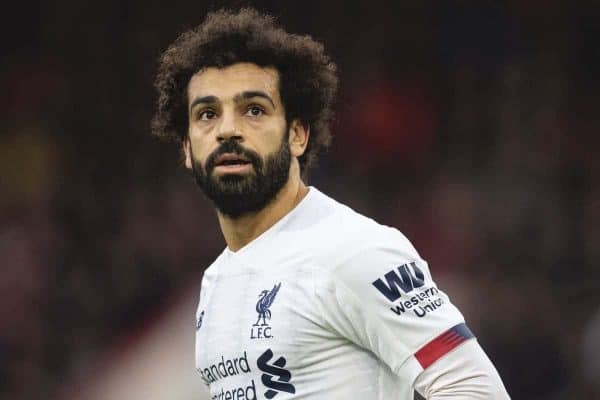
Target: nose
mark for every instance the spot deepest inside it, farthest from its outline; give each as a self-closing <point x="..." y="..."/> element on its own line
<point x="228" y="128"/>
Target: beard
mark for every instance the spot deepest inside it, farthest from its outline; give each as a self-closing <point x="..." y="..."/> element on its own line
<point x="237" y="195"/>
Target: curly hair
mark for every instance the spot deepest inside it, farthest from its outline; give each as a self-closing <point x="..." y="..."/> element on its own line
<point x="307" y="76"/>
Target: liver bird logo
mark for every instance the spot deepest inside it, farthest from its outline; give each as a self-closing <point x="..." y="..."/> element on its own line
<point x="266" y="298"/>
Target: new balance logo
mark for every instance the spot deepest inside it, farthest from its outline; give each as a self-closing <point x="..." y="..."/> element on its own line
<point x="407" y="278"/>
<point x="275" y="370"/>
<point x="199" y="321"/>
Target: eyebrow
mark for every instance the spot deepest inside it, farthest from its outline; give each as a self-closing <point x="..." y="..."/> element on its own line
<point x="242" y="96"/>
<point x="204" y="99"/>
<point x="254" y="93"/>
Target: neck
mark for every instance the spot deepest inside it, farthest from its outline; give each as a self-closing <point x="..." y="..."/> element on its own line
<point x="238" y="232"/>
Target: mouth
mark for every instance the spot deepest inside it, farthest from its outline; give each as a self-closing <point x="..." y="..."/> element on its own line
<point x="232" y="163"/>
<point x="228" y="159"/>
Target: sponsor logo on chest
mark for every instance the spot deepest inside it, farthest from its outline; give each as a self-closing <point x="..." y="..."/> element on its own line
<point x="275" y="377"/>
<point x="274" y="370"/>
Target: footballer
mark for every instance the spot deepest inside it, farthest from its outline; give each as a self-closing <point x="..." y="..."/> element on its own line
<point x="309" y="300"/>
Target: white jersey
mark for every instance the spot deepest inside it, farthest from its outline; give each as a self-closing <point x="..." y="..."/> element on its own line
<point x="326" y="304"/>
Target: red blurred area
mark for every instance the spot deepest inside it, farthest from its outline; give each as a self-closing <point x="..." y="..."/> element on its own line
<point x="386" y="123"/>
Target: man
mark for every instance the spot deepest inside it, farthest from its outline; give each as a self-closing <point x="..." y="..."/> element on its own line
<point x="309" y="299"/>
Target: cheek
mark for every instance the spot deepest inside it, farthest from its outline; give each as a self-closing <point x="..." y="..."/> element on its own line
<point x="198" y="152"/>
<point x="200" y="139"/>
<point x="273" y="141"/>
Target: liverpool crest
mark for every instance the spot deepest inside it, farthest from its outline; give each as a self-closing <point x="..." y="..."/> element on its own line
<point x="261" y="329"/>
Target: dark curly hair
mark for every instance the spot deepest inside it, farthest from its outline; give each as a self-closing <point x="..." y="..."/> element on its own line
<point x="307" y="84"/>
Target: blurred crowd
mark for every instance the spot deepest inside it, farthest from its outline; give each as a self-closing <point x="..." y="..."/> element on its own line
<point x="469" y="126"/>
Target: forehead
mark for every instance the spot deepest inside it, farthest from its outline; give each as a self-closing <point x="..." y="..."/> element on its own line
<point x="225" y="83"/>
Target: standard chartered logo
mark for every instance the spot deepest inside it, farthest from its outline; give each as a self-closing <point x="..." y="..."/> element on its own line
<point x="281" y="384"/>
<point x="275" y="377"/>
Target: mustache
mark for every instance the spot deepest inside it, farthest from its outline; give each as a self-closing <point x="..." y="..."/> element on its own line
<point x="232" y="147"/>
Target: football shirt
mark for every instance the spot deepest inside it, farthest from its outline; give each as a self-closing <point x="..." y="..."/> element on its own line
<point x="326" y="304"/>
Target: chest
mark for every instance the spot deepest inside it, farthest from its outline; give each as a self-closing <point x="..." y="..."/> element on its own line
<point x="252" y="312"/>
<point x="257" y="330"/>
<point x="261" y="335"/>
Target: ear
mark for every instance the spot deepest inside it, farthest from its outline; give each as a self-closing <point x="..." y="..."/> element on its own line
<point x="299" y="134"/>
<point x="187" y="152"/>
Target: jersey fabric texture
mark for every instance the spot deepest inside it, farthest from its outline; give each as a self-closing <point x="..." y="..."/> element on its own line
<point x="326" y="304"/>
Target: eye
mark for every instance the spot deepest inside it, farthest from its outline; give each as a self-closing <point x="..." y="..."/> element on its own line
<point x="206" y="115"/>
<point x="254" y="111"/>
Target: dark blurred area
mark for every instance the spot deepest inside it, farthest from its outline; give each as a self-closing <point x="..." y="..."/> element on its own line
<point x="470" y="126"/>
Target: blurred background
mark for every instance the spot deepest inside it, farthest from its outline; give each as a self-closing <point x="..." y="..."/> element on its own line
<point x="470" y="126"/>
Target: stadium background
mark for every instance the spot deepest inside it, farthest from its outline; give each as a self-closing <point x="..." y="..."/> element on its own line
<point x="470" y="126"/>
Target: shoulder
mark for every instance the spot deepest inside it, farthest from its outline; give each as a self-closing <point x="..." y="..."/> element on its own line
<point x="348" y="240"/>
<point x="210" y="273"/>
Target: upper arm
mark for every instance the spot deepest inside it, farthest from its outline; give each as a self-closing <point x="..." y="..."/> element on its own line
<point x="384" y="299"/>
<point x="463" y="373"/>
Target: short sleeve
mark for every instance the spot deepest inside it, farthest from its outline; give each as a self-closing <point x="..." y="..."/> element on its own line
<point x="383" y="299"/>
